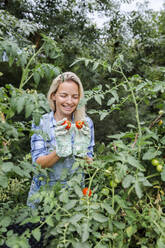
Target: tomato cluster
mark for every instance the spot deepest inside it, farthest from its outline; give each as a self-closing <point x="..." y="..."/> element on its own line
<point x="157" y="162"/>
<point x="68" y="124"/>
<point x="87" y="190"/>
<point x="79" y="124"/>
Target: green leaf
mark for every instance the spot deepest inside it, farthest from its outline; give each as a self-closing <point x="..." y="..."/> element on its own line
<point x="163" y="174"/>
<point x="77" y="244"/>
<point x="50" y="221"/>
<point x="75" y="218"/>
<point x="138" y="189"/>
<point x="135" y="163"/>
<point x="7" y="167"/>
<point x="108" y="208"/>
<point x="78" y="191"/>
<point x="36" y="234"/>
<point x="34" y="219"/>
<point x="127" y="181"/>
<point x="85" y="231"/>
<point x="20" y="103"/>
<point x="5" y="221"/>
<point x="95" y="65"/>
<point x="71" y="204"/>
<point x="98" y="99"/>
<point x="103" y="114"/>
<point x="99" y="217"/>
<point x="114" y="93"/>
<point x="150" y="154"/>
<point x="64" y="197"/>
<point x="119" y="225"/>
<point x="36" y="77"/>
<point x="131" y="230"/>
<point x="29" y="107"/>
<point x="3" y="181"/>
<point x="111" y="101"/>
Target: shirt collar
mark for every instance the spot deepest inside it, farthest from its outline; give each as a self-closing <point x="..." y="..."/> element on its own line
<point x="53" y="121"/>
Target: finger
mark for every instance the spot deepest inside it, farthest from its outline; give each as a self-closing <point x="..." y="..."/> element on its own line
<point x="61" y="128"/>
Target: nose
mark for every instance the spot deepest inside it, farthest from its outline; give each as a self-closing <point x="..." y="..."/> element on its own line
<point x="69" y="99"/>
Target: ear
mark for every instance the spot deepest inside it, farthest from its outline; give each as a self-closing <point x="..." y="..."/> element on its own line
<point x="53" y="96"/>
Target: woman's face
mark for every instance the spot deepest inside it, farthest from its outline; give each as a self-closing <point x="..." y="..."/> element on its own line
<point x="66" y="99"/>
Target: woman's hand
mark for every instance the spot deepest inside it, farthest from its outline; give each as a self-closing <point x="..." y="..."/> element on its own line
<point x="82" y="140"/>
<point x="63" y="139"/>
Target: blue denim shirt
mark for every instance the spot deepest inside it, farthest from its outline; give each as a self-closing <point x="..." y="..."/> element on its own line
<point x="43" y="144"/>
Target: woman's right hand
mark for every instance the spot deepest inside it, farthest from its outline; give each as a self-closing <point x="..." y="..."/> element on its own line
<point x="63" y="139"/>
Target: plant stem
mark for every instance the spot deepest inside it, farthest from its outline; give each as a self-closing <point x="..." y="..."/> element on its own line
<point x="136" y="109"/>
<point x="25" y="73"/>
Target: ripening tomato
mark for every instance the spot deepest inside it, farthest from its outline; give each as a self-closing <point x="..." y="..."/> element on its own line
<point x="113" y="184"/>
<point x="105" y="191"/>
<point x="68" y="124"/>
<point x="160" y="122"/>
<point x="79" y="124"/>
<point x="161" y="112"/>
<point x="85" y="190"/>
<point x="159" y="168"/>
<point x="155" y="162"/>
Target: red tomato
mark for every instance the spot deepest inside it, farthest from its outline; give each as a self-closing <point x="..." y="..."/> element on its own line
<point x="68" y="124"/>
<point x="85" y="190"/>
<point x="79" y="124"/>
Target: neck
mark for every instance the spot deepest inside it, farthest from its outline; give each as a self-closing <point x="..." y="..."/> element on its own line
<point x="59" y="117"/>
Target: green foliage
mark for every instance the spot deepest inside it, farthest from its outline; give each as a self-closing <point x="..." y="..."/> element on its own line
<point x="124" y="81"/>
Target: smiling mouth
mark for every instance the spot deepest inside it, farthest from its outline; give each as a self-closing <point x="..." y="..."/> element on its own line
<point x="68" y="108"/>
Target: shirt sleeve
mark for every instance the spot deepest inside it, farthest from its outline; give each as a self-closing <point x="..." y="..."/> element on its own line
<point x="92" y="141"/>
<point x="38" y="145"/>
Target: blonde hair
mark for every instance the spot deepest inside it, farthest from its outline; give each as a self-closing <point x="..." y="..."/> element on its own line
<point x="79" y="113"/>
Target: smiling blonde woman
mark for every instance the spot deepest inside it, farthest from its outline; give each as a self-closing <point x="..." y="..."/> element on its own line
<point x="63" y="144"/>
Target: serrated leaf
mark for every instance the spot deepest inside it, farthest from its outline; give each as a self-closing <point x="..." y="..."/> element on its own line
<point x="29" y="107"/>
<point x="111" y="101"/>
<point x="163" y="174"/>
<point x="98" y="99"/>
<point x="5" y="221"/>
<point x="150" y="154"/>
<point x="99" y="217"/>
<point x="3" y="181"/>
<point x="78" y="191"/>
<point x="115" y="95"/>
<point x="7" y="167"/>
<point x="103" y="115"/>
<point x="130" y="230"/>
<point x="36" y="234"/>
<point x="119" y="225"/>
<point x="95" y="65"/>
<point x="85" y="231"/>
<point x="138" y="189"/>
<point x="127" y="181"/>
<point x="63" y="197"/>
<point x="20" y="104"/>
<point x="75" y="218"/>
<point x="108" y="208"/>
<point x="71" y="204"/>
<point x="36" y="77"/>
<point x="135" y="163"/>
<point x="50" y="221"/>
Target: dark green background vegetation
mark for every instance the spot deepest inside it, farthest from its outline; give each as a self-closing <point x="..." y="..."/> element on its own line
<point x="122" y="67"/>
